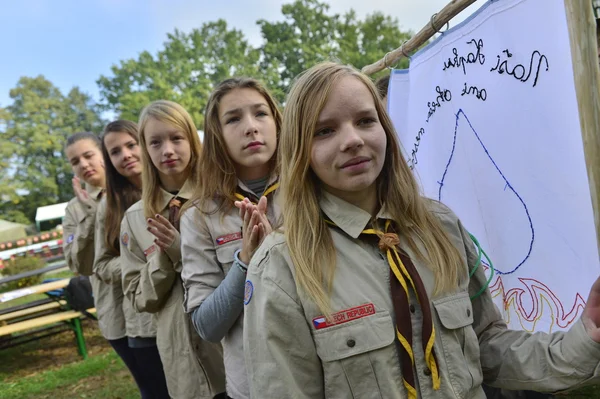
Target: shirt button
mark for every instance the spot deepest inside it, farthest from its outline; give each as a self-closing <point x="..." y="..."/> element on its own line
<point x="427" y="372"/>
<point x="351" y="343"/>
<point x="412" y="308"/>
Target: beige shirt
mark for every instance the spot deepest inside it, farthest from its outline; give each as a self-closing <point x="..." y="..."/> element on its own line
<point x="292" y="354"/>
<point x="209" y="240"/>
<point x="107" y="269"/>
<point x="151" y="280"/>
<point x="79" y="230"/>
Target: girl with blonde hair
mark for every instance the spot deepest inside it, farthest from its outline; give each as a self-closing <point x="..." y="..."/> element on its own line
<point x="371" y="290"/>
<point x="150" y="245"/>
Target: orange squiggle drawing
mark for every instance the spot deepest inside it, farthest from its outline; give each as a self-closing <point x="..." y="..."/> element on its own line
<point x="537" y="293"/>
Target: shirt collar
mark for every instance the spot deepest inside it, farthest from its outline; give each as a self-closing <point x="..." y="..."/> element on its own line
<point x="185" y="192"/>
<point x="349" y="218"/>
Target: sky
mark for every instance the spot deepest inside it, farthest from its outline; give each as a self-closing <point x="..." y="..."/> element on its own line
<point x="73" y="42"/>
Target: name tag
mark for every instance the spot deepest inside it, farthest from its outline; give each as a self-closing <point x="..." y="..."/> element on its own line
<point x="150" y="250"/>
<point x="228" y="238"/>
<point x="344" y="316"/>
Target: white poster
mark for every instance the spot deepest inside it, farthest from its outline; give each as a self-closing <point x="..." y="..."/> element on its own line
<point x="487" y="116"/>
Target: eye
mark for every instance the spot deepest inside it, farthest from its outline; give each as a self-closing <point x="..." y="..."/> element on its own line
<point x="261" y="113"/>
<point x="132" y="146"/>
<point x="115" y="152"/>
<point x="367" y="121"/>
<point x="232" y="120"/>
<point x="323" y="132"/>
<point x="177" y="138"/>
<point x="154" y="143"/>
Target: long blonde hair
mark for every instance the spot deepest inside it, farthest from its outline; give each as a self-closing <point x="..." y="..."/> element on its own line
<point x="217" y="170"/>
<point x="308" y="237"/>
<point x="173" y="114"/>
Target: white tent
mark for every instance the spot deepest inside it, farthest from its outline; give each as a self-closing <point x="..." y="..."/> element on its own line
<point x="50" y="212"/>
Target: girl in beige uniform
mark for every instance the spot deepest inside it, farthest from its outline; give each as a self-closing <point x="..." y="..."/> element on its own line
<point x="366" y="293"/>
<point x="79" y="230"/>
<point x="150" y="247"/>
<point x="238" y="162"/>
<point x="122" y="160"/>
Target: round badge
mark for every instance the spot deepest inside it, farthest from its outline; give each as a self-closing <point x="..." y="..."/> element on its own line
<point x="125" y="239"/>
<point x="248" y="291"/>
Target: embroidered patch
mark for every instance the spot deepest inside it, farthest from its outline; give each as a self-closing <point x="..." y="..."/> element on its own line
<point x="150" y="250"/>
<point x="248" y="291"/>
<point x="228" y="238"/>
<point x="125" y="239"/>
<point x="70" y="238"/>
<point x="344" y="316"/>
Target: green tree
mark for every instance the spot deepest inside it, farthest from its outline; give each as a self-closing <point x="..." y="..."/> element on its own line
<point x="35" y="128"/>
<point x="185" y="71"/>
<point x="309" y="34"/>
<point x="189" y="65"/>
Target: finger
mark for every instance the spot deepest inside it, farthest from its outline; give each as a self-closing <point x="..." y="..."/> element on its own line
<point x="161" y="227"/>
<point x="160" y="236"/>
<point x="262" y="204"/>
<point x="254" y="239"/>
<point x="238" y="204"/>
<point x="161" y="245"/>
<point x="163" y="221"/>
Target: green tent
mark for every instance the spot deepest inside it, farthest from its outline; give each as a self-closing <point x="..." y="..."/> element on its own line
<point x="10" y="231"/>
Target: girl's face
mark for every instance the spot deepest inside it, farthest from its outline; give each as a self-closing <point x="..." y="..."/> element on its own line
<point x="124" y="152"/>
<point x="249" y="131"/>
<point x="168" y="147"/>
<point x="348" y="149"/>
<point x="86" y="160"/>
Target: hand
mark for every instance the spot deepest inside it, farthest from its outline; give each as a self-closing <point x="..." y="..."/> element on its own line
<point x="81" y="194"/>
<point x="164" y="232"/>
<point x="591" y="313"/>
<point x="255" y="226"/>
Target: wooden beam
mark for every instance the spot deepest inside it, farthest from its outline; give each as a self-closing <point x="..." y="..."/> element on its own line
<point x="584" y="54"/>
<point x="451" y="10"/>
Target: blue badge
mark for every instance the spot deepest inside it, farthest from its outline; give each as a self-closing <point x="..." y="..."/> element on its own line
<point x="70" y="238"/>
<point x="125" y="239"/>
<point x="248" y="291"/>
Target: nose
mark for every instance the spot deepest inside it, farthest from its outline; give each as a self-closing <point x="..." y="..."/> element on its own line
<point x="250" y="126"/>
<point x="168" y="149"/>
<point x="350" y="138"/>
<point x="126" y="154"/>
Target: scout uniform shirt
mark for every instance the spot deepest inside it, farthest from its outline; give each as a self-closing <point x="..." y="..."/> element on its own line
<point x="209" y="240"/>
<point x="295" y="351"/>
<point x="107" y="269"/>
<point x="151" y="280"/>
<point x="79" y="228"/>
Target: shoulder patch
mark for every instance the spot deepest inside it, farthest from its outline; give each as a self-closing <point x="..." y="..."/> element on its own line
<point x="248" y="291"/>
<point x="70" y="238"/>
<point x="125" y="239"/>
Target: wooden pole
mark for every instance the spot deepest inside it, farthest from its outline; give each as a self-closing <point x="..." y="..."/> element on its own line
<point x="451" y="10"/>
<point x="584" y="54"/>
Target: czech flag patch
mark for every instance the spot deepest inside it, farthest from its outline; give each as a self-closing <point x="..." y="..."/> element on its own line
<point x="228" y="238"/>
<point x="344" y="316"/>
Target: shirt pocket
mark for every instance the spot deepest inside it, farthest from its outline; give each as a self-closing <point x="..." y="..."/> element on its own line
<point x="460" y="343"/>
<point x="225" y="256"/>
<point x="354" y="355"/>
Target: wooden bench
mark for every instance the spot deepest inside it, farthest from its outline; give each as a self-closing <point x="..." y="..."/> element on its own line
<point x="21" y="331"/>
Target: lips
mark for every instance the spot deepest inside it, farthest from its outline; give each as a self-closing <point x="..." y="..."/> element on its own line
<point x="130" y="164"/>
<point x="254" y="144"/>
<point x="170" y="162"/>
<point x="355" y="161"/>
<point x="89" y="173"/>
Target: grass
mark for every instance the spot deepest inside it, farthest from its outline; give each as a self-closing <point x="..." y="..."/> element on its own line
<point x="101" y="376"/>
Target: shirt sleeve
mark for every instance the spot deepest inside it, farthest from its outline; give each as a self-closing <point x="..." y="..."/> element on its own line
<point x="107" y="266"/>
<point x="282" y="361"/>
<point x="79" y="242"/>
<point x="146" y="283"/>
